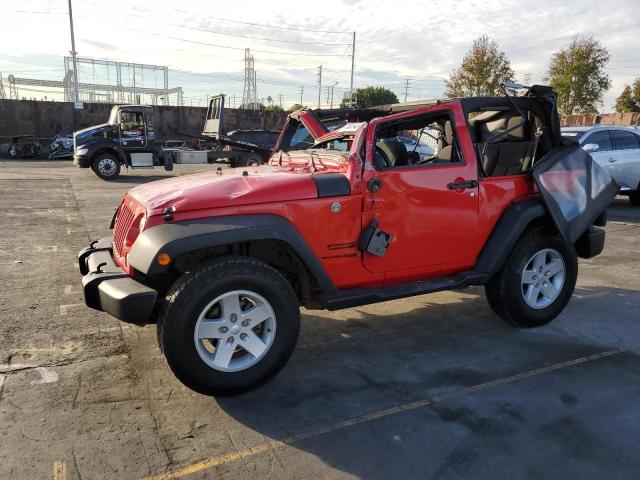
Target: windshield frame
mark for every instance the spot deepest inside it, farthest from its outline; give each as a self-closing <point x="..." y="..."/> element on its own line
<point x="113" y="116"/>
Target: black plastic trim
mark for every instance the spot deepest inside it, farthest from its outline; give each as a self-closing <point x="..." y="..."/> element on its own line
<point x="331" y="185"/>
<point x="108" y="289"/>
<point x="591" y="243"/>
<point x="506" y="233"/>
<point x="127" y="300"/>
<point x="104" y="243"/>
<point x="354" y="297"/>
<point x="183" y="237"/>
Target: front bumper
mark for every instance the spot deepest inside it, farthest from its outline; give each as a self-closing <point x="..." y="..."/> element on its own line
<point x="108" y="289"/>
<point x="82" y="161"/>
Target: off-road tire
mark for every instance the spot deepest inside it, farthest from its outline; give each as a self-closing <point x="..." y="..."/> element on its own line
<point x="193" y="291"/>
<point x="250" y="159"/>
<point x="634" y="198"/>
<point x="95" y="166"/>
<point x="504" y="291"/>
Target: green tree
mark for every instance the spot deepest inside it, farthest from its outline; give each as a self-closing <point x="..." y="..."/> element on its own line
<point x="371" y="97"/>
<point x="635" y="89"/>
<point x="627" y="102"/>
<point x="483" y="69"/>
<point x="274" y="108"/>
<point x="578" y="75"/>
<point x="295" y="106"/>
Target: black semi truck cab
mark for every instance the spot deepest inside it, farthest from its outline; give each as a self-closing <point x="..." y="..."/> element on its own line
<point x="129" y="139"/>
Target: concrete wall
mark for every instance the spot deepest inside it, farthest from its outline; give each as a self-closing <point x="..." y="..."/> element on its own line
<point x="45" y="119"/>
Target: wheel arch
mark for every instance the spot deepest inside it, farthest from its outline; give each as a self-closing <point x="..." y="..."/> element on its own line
<point x="269" y="238"/>
<point x="104" y="146"/>
<point x="513" y="223"/>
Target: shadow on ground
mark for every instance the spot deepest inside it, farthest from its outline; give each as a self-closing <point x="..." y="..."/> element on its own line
<point x="573" y="422"/>
<point x="622" y="210"/>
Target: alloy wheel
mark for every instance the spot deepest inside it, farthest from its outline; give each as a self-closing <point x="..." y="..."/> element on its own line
<point x="235" y="331"/>
<point x="543" y="278"/>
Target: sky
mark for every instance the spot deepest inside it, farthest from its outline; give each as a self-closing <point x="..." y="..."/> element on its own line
<point x="203" y="41"/>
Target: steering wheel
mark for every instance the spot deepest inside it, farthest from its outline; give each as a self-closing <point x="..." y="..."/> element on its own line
<point x="414" y="157"/>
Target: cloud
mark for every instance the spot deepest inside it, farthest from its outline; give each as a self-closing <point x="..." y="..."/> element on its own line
<point x="423" y="40"/>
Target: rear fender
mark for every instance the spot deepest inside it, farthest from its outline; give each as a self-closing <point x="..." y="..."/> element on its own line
<point x="506" y="233"/>
<point x="179" y="238"/>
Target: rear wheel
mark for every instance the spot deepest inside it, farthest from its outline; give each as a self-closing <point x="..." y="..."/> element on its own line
<point x="229" y="325"/>
<point x="634" y="198"/>
<point x="106" y="166"/>
<point x="537" y="280"/>
<point x="250" y="159"/>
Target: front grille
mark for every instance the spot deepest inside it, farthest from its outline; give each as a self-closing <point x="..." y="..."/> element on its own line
<point x="124" y="220"/>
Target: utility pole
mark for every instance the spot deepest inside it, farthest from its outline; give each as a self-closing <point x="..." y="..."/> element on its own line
<point x="328" y="87"/>
<point x="332" y="86"/>
<point x="319" y="84"/>
<point x="301" y="92"/>
<point x="406" y="88"/>
<point x="280" y="100"/>
<point x="73" y="54"/>
<point x="353" y="63"/>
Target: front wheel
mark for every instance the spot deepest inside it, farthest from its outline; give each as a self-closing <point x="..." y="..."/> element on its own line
<point x="229" y="325"/>
<point x="537" y="280"/>
<point x="106" y="166"/>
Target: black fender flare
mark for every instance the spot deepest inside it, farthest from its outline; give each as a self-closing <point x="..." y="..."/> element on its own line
<point x="177" y="238"/>
<point x="95" y="146"/>
<point x="506" y="233"/>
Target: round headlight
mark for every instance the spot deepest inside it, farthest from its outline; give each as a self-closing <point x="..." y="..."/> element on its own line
<point x="143" y="223"/>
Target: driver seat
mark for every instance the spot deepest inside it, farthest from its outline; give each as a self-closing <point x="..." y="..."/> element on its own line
<point x="395" y="151"/>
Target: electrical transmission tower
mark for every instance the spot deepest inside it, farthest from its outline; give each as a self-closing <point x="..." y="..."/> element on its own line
<point x="406" y="89"/>
<point x="250" y="93"/>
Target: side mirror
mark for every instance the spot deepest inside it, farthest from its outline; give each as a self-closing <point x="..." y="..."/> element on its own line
<point x="591" y="147"/>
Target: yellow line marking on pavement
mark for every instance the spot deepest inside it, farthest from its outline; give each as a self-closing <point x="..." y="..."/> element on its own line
<point x="59" y="470"/>
<point x="234" y="456"/>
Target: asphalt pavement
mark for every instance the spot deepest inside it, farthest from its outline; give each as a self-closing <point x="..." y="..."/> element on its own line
<point x="433" y="386"/>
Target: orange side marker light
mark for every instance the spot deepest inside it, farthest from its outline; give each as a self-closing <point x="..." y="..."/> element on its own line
<point x="164" y="259"/>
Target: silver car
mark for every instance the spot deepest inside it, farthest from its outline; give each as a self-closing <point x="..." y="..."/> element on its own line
<point x="617" y="149"/>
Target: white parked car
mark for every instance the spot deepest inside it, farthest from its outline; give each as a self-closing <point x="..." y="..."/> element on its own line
<point x="617" y="150"/>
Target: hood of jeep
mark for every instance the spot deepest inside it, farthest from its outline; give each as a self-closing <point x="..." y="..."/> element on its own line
<point x="225" y="188"/>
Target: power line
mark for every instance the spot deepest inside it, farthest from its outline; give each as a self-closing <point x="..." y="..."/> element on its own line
<point x="264" y="39"/>
<point x="265" y="26"/>
<point x="35" y="12"/>
<point x="240" y="48"/>
<point x="215" y="32"/>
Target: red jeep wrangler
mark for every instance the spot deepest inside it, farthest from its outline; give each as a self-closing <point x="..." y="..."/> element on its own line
<point x="410" y="199"/>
